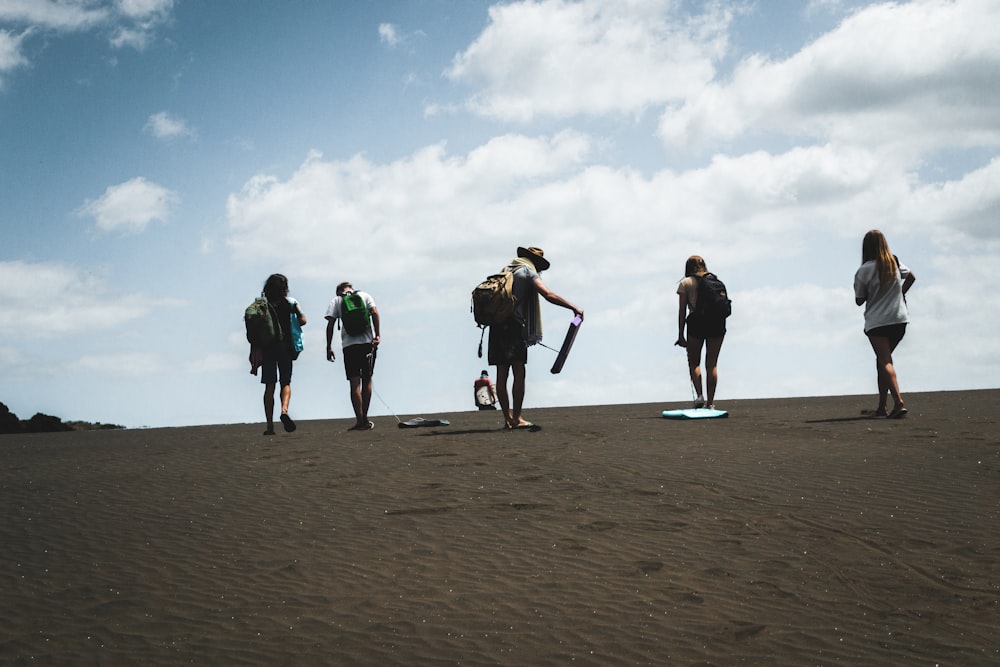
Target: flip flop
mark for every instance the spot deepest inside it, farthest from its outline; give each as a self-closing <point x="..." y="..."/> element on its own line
<point x="528" y="426"/>
<point x="269" y="431"/>
<point x="898" y="413"/>
<point x="363" y="427"/>
<point x="287" y="422"/>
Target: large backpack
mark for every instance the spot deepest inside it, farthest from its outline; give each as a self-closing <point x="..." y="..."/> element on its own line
<point x="262" y="322"/>
<point x="354" y="313"/>
<point x="493" y="300"/>
<point x="713" y="301"/>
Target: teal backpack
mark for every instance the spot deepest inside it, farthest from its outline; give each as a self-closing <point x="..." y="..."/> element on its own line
<point x="355" y="314"/>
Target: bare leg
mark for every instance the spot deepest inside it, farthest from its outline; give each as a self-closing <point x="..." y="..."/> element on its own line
<point x="887" y="382"/>
<point x="286" y="397"/>
<point x="269" y="406"/>
<point x="517" y="391"/>
<point x="502" y="396"/>
<point x="366" y="398"/>
<point x="712" y="348"/>
<point x="357" y="402"/>
<point x="694" y="363"/>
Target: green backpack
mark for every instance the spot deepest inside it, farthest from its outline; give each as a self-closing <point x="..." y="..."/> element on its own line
<point x="355" y="314"/>
<point x="261" y="322"/>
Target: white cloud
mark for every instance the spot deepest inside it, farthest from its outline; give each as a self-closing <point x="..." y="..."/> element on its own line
<point x="913" y="76"/>
<point x="118" y="365"/>
<point x="75" y="302"/>
<point x="430" y="204"/>
<point x="145" y="10"/>
<point x="595" y="57"/>
<point x="130" y="206"/>
<point x="960" y="213"/>
<point x="388" y="34"/>
<point x="10" y="52"/>
<point x="131" y="23"/>
<point x="138" y="22"/>
<point x="164" y="126"/>
<point x="51" y="14"/>
<point x="400" y="209"/>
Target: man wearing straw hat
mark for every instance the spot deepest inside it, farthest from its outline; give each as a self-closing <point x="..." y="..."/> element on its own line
<point x="509" y="340"/>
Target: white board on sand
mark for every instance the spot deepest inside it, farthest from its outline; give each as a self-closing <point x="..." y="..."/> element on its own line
<point x="695" y="413"/>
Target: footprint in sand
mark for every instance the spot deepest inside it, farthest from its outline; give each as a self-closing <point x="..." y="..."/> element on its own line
<point x="598" y="526"/>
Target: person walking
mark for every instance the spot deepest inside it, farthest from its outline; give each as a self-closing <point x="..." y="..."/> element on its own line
<point x="510" y="339"/>
<point x="360" y="338"/>
<point x="276" y="358"/>
<point x="881" y="283"/>
<point x="706" y="327"/>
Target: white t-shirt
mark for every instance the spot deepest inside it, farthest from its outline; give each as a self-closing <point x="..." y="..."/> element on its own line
<point x="689" y="287"/>
<point x="882" y="306"/>
<point x="333" y="313"/>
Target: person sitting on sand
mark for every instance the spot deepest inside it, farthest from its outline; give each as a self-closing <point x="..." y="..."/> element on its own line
<point x="881" y="283"/>
<point x="509" y="340"/>
<point x="484" y="393"/>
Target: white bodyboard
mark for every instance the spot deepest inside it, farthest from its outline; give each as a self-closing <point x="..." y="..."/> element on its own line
<point x="695" y="413"/>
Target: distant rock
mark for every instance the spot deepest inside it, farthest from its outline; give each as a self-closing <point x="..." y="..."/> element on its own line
<point x="43" y="423"/>
<point x="9" y="423"/>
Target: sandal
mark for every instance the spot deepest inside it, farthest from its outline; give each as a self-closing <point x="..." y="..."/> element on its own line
<point x="363" y="427"/>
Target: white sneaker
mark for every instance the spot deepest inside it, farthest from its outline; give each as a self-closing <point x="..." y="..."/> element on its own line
<point x="699" y="402"/>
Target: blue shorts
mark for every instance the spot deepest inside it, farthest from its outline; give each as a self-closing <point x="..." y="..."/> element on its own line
<point x="359" y="361"/>
<point x="277" y="365"/>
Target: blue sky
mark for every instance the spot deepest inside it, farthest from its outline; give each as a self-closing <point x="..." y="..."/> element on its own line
<point x="159" y="158"/>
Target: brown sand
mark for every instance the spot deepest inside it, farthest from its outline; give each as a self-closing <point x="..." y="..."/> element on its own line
<point x="793" y="533"/>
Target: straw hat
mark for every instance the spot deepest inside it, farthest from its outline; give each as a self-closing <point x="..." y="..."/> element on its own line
<point x="536" y="255"/>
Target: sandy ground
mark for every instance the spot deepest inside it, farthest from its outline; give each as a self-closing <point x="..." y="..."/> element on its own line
<point x="796" y="532"/>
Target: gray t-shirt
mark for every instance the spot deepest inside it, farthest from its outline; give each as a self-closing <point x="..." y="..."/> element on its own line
<point x="883" y="305"/>
<point x="524" y="289"/>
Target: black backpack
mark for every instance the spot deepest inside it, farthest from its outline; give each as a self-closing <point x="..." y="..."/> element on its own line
<point x="713" y="301"/>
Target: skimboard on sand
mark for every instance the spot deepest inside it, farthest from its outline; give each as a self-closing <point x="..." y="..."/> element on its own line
<point x="417" y="422"/>
<point x="567" y="345"/>
<point x="695" y="413"/>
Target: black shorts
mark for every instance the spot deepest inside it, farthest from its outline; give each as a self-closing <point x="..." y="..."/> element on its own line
<point x="894" y="332"/>
<point x="359" y="360"/>
<point x="696" y="328"/>
<point x="507" y="346"/>
<point x="276" y="364"/>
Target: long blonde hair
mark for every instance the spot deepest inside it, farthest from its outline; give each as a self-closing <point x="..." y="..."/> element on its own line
<point x="875" y="248"/>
